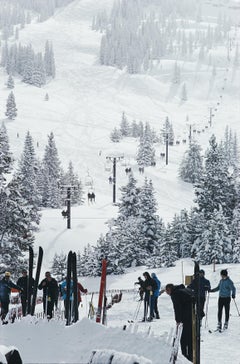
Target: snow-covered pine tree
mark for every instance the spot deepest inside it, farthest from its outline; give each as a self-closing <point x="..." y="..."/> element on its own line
<point x="27" y="175"/>
<point x="179" y="231"/>
<point x="10" y="82"/>
<point x="71" y="179"/>
<point x="191" y="167"/>
<point x="146" y="151"/>
<point x="51" y="175"/>
<point x="215" y="242"/>
<point x="49" y="60"/>
<point x="59" y="266"/>
<point x="124" y="126"/>
<point x="216" y="189"/>
<point x="115" y="135"/>
<point x="149" y="223"/>
<point x="6" y="158"/>
<point x="129" y="204"/>
<point x="11" y="110"/>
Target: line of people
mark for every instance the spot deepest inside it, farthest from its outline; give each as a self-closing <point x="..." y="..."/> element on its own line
<point x="51" y="292"/>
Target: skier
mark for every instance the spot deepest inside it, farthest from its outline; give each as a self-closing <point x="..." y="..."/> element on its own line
<point x="50" y="294"/>
<point x="182" y="304"/>
<point x="156" y="295"/>
<point x="225" y="288"/>
<point x="141" y="288"/>
<point x="149" y="287"/>
<point x="5" y="290"/>
<point x="23" y="283"/>
<point x="79" y="290"/>
<point x="204" y="287"/>
<point x="63" y="291"/>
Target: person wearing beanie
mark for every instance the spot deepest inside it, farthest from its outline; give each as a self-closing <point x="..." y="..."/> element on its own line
<point x="25" y="284"/>
<point x="5" y="290"/>
<point x="226" y="289"/>
<point x="204" y="287"/>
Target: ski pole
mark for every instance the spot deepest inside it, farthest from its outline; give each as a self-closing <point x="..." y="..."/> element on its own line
<point x="206" y="316"/>
<point x="236" y="307"/>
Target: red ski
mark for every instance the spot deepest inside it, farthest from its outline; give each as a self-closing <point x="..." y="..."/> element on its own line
<point x="102" y="290"/>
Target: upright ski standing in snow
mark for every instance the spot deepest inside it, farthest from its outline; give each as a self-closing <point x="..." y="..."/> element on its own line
<point x="196" y="317"/>
<point x="71" y="304"/>
<point x="38" y="271"/>
<point x="102" y="293"/>
<point x="29" y="282"/>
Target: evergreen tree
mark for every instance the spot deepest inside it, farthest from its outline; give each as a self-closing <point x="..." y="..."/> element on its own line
<point x="191" y="167"/>
<point x="146" y="151"/>
<point x="11" y="110"/>
<point x="184" y="93"/>
<point x="115" y="135"/>
<point x="51" y="175"/>
<point x="27" y="175"/>
<point x="71" y="179"/>
<point x="216" y="188"/>
<point x="129" y="204"/>
<point x="10" y="82"/>
<point x="124" y="126"/>
<point x="59" y="266"/>
<point x="6" y="158"/>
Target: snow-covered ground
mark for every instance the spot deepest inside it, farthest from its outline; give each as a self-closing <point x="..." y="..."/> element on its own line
<point x="86" y="101"/>
<point x="45" y="342"/>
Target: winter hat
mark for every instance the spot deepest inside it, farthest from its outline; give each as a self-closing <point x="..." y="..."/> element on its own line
<point x="202" y="271"/>
<point x="224" y="272"/>
<point x="7" y="274"/>
<point x="24" y="270"/>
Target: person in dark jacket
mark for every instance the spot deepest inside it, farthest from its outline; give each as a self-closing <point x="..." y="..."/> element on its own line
<point x="149" y="287"/>
<point x="140" y="282"/>
<point x="156" y="294"/>
<point x="23" y="283"/>
<point x="182" y="299"/>
<point x="49" y="286"/>
<point x="5" y="290"/>
<point x="204" y="286"/>
<point x="225" y="288"/>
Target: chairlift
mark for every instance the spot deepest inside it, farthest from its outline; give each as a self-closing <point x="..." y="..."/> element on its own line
<point x="88" y="180"/>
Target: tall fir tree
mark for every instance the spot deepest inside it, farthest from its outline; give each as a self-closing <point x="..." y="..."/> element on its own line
<point x="11" y="110"/>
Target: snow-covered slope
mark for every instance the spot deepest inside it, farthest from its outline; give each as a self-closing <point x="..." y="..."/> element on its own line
<point x="86" y="101"/>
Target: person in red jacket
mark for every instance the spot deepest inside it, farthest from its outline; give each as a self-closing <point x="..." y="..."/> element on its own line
<point x="79" y="290"/>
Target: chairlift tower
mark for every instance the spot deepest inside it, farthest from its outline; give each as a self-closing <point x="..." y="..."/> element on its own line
<point x="114" y="159"/>
<point x="68" y="201"/>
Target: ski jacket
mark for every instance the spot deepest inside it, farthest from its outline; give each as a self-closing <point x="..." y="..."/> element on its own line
<point x="225" y="287"/>
<point x="149" y="287"/>
<point x="23" y="283"/>
<point x="50" y="288"/>
<point x="5" y="289"/>
<point x="204" y="286"/>
<point x="79" y="290"/>
<point x="158" y="284"/>
<point x="182" y="299"/>
<point x="63" y="290"/>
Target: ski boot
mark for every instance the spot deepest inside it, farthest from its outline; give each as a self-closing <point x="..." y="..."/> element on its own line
<point x="225" y="327"/>
<point x="219" y="326"/>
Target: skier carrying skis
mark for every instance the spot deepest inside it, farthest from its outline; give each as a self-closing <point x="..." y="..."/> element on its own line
<point x="156" y="295"/>
<point x="149" y="287"/>
<point x="225" y="288"/>
<point x="23" y="283"/>
<point x="5" y="290"/>
<point x="50" y="294"/>
<point x="204" y="286"/>
<point x="182" y="304"/>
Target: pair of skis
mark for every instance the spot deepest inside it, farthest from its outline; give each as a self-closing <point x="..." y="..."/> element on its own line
<point x="102" y="300"/>
<point x="32" y="292"/>
<point x="71" y="304"/>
